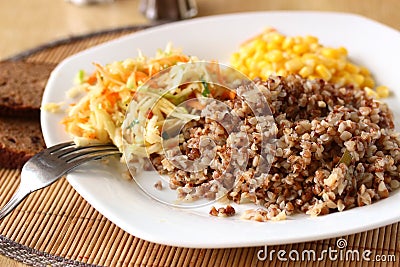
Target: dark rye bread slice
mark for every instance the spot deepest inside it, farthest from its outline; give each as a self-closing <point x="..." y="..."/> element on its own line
<point x="20" y="139"/>
<point x="21" y="87"/>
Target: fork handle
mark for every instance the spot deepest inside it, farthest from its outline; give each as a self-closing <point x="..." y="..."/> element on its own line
<point x="18" y="196"/>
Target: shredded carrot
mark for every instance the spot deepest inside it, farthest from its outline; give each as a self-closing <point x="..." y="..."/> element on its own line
<point x="90" y="135"/>
<point x="171" y="60"/>
<point x="112" y="98"/>
<point x="141" y="76"/>
<point x="92" y="79"/>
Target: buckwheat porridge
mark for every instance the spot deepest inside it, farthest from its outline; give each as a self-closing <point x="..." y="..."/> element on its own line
<point x="333" y="149"/>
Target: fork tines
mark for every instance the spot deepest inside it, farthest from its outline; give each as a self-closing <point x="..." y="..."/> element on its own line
<point x="69" y="152"/>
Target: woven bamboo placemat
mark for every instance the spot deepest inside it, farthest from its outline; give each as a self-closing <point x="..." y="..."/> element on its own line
<point x="57" y="227"/>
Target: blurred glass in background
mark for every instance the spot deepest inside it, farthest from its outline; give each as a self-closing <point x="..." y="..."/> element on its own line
<point x="168" y="9"/>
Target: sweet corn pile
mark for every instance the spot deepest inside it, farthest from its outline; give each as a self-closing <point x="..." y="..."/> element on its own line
<point x="274" y="53"/>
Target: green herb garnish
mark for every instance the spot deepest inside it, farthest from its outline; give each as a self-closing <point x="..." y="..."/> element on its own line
<point x="80" y="77"/>
<point x="206" y="91"/>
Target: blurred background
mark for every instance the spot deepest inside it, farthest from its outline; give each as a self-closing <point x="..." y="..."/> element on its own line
<point x="26" y="24"/>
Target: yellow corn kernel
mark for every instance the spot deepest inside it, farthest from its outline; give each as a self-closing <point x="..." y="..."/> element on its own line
<point x="312" y="77"/>
<point x="369" y="82"/>
<point x="245" y="50"/>
<point x="274" y="55"/>
<point x="382" y="91"/>
<point x="340" y="64"/>
<point x="307" y="56"/>
<point x="258" y="43"/>
<point x="310" y="63"/>
<point x="314" y="47"/>
<point x="364" y="71"/>
<point x="306" y="71"/>
<point x="298" y="39"/>
<point x="347" y="76"/>
<point x="282" y="72"/>
<point x="300" y="49"/>
<point x="328" y="62"/>
<point x="275" y="66"/>
<point x="310" y="39"/>
<point x="261" y="64"/>
<point x="330" y="52"/>
<point x="350" y="67"/>
<point x="371" y="92"/>
<point x="265" y="73"/>
<point x="287" y="43"/>
<point x="277" y="37"/>
<point x="266" y="65"/>
<point x="357" y="79"/>
<point x="342" y="51"/>
<point x="258" y="55"/>
<point x="253" y="66"/>
<point x="248" y="61"/>
<point x="337" y="80"/>
<point x="252" y="75"/>
<point x="323" y="72"/>
<point x="272" y="46"/>
<point x="293" y="65"/>
<point x="310" y="59"/>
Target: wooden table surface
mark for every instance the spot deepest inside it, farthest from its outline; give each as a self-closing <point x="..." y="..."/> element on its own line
<point x="26" y="24"/>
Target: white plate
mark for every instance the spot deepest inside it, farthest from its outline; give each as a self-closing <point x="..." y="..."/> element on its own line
<point x="369" y="43"/>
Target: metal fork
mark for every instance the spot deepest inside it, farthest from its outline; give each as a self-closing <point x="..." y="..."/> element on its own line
<point x="51" y="164"/>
